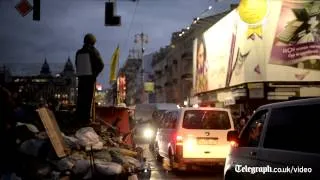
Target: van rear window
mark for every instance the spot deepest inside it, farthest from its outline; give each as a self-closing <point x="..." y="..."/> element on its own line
<point x="206" y="119"/>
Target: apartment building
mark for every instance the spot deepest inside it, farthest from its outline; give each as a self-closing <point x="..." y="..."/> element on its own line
<point x="173" y="64"/>
<point x="131" y="70"/>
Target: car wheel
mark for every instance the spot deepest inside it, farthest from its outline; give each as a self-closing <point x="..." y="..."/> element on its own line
<point x="171" y="159"/>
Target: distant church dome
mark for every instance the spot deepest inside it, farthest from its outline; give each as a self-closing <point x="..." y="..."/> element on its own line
<point x="68" y="68"/>
<point x="45" y="69"/>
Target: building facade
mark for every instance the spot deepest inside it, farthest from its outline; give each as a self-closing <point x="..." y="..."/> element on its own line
<point x="145" y="85"/>
<point x="173" y="65"/>
<point x="45" y="86"/>
<point x="131" y="70"/>
<point x="5" y="75"/>
<point x="248" y="67"/>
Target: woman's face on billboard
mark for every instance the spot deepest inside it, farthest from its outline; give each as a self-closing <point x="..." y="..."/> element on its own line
<point x="201" y="54"/>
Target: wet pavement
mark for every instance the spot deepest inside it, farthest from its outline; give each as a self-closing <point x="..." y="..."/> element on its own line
<point x="158" y="172"/>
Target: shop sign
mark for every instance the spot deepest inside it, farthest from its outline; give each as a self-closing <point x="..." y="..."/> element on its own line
<point x="239" y="93"/>
<point x="255" y="85"/>
<point x="229" y="102"/>
<point x="227" y="98"/>
<point x="149" y="86"/>
<point x="309" y="91"/>
<point x="256" y="93"/>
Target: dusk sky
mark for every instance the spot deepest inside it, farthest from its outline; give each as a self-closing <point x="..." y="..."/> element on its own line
<point x="64" y="22"/>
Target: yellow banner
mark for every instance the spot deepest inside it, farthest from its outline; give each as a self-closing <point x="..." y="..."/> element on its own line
<point x="114" y="64"/>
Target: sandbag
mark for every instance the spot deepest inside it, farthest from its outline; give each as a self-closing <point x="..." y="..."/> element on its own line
<point x="64" y="164"/>
<point x="32" y="147"/>
<point x="30" y="127"/>
<point x="81" y="167"/>
<point x="88" y="137"/>
<point x="117" y="157"/>
<point x="127" y="152"/>
<point x="71" y="142"/>
<point x="108" y="168"/>
<point x="124" y="152"/>
<point x="75" y="156"/>
<point x="44" y="171"/>
<point x="133" y="161"/>
<point x="95" y="147"/>
<point x="103" y="155"/>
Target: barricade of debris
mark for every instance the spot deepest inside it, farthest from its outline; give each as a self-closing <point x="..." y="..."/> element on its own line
<point x="52" y="155"/>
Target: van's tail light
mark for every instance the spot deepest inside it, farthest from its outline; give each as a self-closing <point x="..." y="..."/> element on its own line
<point x="179" y="148"/>
<point x="179" y="140"/>
<point x="234" y="144"/>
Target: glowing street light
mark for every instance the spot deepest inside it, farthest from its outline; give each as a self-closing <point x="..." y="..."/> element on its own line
<point x="210" y="7"/>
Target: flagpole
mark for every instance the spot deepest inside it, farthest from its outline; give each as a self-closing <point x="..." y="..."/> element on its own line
<point x="114" y="72"/>
<point x="118" y="73"/>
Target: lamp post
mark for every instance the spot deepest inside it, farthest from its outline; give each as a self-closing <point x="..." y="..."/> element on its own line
<point x="141" y="39"/>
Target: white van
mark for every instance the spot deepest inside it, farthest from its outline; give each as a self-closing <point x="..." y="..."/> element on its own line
<point x="145" y="114"/>
<point x="194" y="136"/>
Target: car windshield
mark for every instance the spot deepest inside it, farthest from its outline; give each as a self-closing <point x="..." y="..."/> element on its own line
<point x="206" y="119"/>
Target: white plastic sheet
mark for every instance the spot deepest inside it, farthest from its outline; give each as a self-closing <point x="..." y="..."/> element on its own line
<point x="88" y="137"/>
<point x="31" y="127"/>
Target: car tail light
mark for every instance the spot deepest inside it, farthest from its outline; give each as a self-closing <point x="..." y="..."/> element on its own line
<point x="233" y="144"/>
<point x="179" y="140"/>
<point x="179" y="148"/>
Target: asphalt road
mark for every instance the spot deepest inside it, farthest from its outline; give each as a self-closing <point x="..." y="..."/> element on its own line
<point x="158" y="172"/>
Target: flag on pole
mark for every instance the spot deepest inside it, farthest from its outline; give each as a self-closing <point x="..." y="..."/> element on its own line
<point x="114" y="64"/>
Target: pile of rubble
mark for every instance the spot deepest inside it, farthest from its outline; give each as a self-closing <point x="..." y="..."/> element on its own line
<point x="87" y="156"/>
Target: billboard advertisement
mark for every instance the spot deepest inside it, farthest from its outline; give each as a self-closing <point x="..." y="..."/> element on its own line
<point x="239" y="50"/>
<point x="211" y="58"/>
<point x="296" y="44"/>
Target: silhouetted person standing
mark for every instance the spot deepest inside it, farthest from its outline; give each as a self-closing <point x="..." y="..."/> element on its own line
<point x="8" y="152"/>
<point x="89" y="65"/>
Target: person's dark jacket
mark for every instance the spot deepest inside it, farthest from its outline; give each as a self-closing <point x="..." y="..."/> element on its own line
<point x="95" y="58"/>
<point x="7" y="131"/>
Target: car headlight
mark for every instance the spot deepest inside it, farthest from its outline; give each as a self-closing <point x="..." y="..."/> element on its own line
<point x="148" y="133"/>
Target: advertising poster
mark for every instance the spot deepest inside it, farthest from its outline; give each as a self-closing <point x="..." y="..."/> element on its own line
<point x="297" y="39"/>
<point x="212" y="53"/>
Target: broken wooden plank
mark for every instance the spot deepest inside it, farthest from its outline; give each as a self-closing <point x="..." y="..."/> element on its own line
<point x="53" y="131"/>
